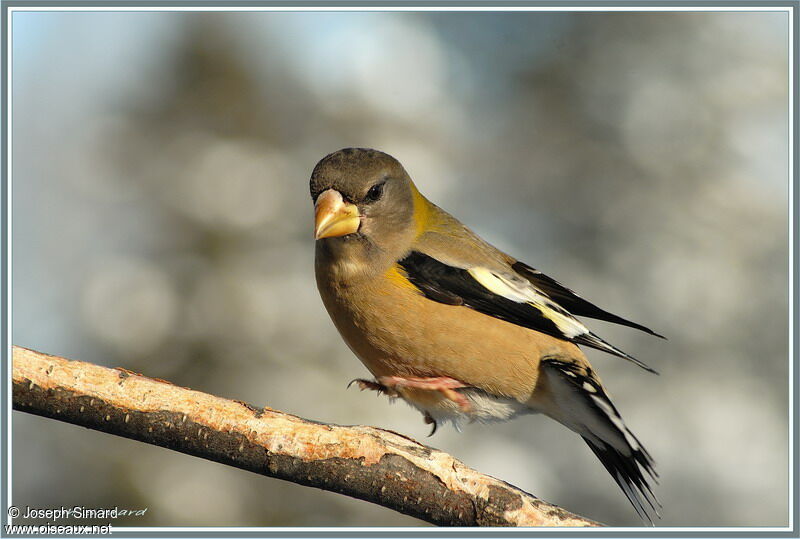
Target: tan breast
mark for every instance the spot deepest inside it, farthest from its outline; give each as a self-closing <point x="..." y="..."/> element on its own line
<point x="396" y="331"/>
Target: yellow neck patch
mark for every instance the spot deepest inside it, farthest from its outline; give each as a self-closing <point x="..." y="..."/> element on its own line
<point x="423" y="213"/>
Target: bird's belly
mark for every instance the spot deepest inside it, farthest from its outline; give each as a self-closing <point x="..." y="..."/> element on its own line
<point x="408" y="335"/>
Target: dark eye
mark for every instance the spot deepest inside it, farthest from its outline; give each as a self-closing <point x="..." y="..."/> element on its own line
<point x="375" y="192"/>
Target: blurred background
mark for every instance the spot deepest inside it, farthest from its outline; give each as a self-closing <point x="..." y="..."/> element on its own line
<point x="162" y="222"/>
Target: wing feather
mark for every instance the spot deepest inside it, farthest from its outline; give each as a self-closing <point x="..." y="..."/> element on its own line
<point x="572" y="301"/>
<point x="508" y="297"/>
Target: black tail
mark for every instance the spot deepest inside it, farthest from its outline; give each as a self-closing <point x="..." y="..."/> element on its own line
<point x="581" y="403"/>
<point x="627" y="472"/>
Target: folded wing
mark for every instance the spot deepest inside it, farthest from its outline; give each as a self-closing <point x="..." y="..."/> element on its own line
<point x="511" y="296"/>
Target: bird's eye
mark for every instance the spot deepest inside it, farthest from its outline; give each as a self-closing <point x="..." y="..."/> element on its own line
<point x="375" y="192"/>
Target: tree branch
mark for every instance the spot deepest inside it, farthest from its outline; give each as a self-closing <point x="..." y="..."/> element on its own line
<point x="371" y="464"/>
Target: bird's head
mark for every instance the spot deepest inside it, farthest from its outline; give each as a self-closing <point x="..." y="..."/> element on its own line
<point x="364" y="196"/>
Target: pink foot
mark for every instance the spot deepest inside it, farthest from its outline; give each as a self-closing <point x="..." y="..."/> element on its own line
<point x="446" y="386"/>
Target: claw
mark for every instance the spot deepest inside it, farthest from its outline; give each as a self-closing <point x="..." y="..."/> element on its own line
<point x="430" y="421"/>
<point x="373" y="386"/>
<point x="367" y="384"/>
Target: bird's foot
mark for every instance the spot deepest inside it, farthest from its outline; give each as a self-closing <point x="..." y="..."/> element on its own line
<point x="373" y="386"/>
<point x="446" y="386"/>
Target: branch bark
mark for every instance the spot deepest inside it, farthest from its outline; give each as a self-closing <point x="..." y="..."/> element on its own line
<point x="371" y="464"/>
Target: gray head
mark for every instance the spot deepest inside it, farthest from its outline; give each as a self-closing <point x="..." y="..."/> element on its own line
<point x="353" y="171"/>
<point x="363" y="196"/>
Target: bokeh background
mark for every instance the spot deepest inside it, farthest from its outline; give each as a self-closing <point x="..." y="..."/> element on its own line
<point x="161" y="222"/>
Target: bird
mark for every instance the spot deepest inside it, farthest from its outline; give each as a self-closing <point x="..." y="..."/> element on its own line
<point x="455" y="327"/>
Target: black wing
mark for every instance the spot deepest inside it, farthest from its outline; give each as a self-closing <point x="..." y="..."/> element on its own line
<point x="456" y="286"/>
<point x="572" y="301"/>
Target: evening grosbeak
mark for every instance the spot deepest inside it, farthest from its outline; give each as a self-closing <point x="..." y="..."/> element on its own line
<point x="455" y="327"/>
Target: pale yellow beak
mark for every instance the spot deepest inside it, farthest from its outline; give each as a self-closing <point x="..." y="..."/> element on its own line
<point x="333" y="216"/>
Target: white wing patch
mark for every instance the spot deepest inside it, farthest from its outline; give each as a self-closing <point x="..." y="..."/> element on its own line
<point x="499" y="285"/>
<point x="523" y="292"/>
